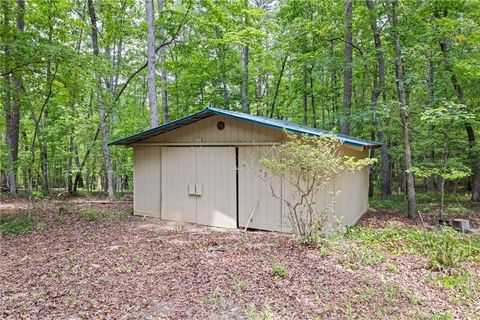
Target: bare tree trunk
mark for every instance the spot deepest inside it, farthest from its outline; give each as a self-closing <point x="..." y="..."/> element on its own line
<point x="334" y="83"/>
<point x="101" y="110"/>
<point x="221" y="56"/>
<point x="244" y="86"/>
<point x="404" y="117"/>
<point x="347" y="71"/>
<point x="42" y="142"/>
<point x="277" y="87"/>
<point x="312" y="98"/>
<point x="305" y="96"/>
<point x="70" y="165"/>
<point x="163" y="71"/>
<point x="259" y="93"/>
<point x="378" y="88"/>
<point x="430" y="183"/>
<point x="151" y="57"/>
<point x="11" y="172"/>
<point x="12" y="107"/>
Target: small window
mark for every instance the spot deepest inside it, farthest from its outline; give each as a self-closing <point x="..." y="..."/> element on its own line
<point x="220" y="125"/>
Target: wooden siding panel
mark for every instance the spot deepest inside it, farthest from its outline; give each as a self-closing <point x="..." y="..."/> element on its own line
<point x="206" y="130"/>
<point x="252" y="190"/>
<point x="216" y="174"/>
<point x="352" y="202"/>
<point x="179" y="171"/>
<point x="147" y="180"/>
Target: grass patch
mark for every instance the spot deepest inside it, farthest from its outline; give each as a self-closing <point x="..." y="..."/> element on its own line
<point x="279" y="270"/>
<point x="463" y="282"/>
<point x="17" y="225"/>
<point x="90" y="215"/>
<point x="457" y="204"/>
<point x="445" y="248"/>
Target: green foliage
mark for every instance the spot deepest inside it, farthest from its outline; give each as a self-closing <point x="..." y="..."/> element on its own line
<point x="444" y="248"/>
<point x="295" y="72"/>
<point x="307" y="164"/>
<point x="90" y="215"/>
<point x="464" y="282"/>
<point x="17" y="225"/>
<point x="278" y="269"/>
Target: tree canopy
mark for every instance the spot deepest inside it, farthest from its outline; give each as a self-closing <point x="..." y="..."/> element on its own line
<point x="75" y="75"/>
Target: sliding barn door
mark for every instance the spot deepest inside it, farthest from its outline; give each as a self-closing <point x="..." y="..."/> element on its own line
<point x="199" y="185"/>
<point x="179" y="172"/>
<point x="216" y="187"/>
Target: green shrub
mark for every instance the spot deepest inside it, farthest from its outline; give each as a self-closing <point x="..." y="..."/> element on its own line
<point x="278" y="269"/>
<point x="91" y="215"/>
<point x="17" y="225"/>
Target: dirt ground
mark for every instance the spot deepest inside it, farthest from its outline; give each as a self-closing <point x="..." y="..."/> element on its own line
<point x="108" y="264"/>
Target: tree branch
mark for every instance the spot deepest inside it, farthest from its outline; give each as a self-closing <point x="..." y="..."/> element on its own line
<point x="163" y="44"/>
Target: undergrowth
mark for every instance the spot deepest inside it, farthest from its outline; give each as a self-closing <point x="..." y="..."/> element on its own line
<point x="17" y="225"/>
<point x="457" y="204"/>
<point x="444" y="247"/>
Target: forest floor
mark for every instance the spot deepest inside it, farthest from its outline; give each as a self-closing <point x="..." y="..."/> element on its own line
<point x="77" y="259"/>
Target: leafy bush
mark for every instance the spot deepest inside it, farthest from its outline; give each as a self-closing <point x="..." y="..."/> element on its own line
<point x="17" y="225"/>
<point x="90" y="215"/>
<point x="307" y="165"/>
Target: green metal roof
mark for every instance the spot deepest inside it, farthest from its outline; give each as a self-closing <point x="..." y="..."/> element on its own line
<point x="268" y="122"/>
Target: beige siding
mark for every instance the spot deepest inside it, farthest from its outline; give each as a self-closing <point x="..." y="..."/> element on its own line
<point x="352" y="201"/>
<point x="216" y="206"/>
<point x="252" y="190"/>
<point x="206" y="131"/>
<point x="179" y="170"/>
<point x="198" y="185"/>
<point x="164" y="178"/>
<point x="146" y="180"/>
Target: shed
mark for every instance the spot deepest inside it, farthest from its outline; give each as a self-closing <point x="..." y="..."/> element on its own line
<point x="203" y="169"/>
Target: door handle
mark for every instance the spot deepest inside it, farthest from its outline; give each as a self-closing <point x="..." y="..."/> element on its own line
<point x="191" y="189"/>
<point x="198" y="189"/>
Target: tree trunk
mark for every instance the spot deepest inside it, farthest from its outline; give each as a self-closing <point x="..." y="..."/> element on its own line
<point x="333" y="83"/>
<point x="42" y="142"/>
<point x="277" y="87"/>
<point x="259" y="93"/>
<point x="13" y="106"/>
<point x="347" y="71"/>
<point x="151" y="56"/>
<point x="101" y="110"/>
<point x="305" y="96"/>
<point x="244" y="86"/>
<point x="312" y="98"/>
<point x="430" y="183"/>
<point x="404" y="117"/>
<point x="163" y="71"/>
<point x="78" y="176"/>
<point x="70" y="166"/>
<point x="10" y="120"/>
<point x="378" y="88"/>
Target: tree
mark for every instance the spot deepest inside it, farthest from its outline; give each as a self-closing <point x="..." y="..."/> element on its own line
<point x="404" y="114"/>
<point x="378" y="89"/>
<point x="163" y="71"/>
<point x="101" y="110"/>
<point x="151" y="62"/>
<point x="307" y="165"/>
<point x="347" y="71"/>
<point x="447" y="168"/>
